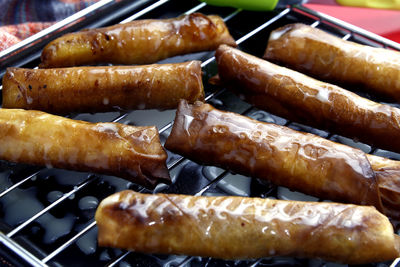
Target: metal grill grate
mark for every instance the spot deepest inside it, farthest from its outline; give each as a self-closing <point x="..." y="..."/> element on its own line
<point x="46" y="215"/>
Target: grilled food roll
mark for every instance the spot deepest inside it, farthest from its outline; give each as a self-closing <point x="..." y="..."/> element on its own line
<point x="387" y="172"/>
<point x="95" y="89"/>
<point x="299" y="161"/>
<point x="328" y="57"/>
<point x="138" y="42"/>
<point x="35" y="137"/>
<point x="242" y="228"/>
<point x="298" y="97"/>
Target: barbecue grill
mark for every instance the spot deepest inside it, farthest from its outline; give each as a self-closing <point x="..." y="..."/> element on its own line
<point x="47" y="215"/>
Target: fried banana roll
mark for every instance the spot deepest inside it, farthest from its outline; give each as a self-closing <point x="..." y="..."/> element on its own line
<point x="299" y="161"/>
<point x="138" y="42"/>
<point x="298" y="97"/>
<point x="244" y="228"/>
<point x="328" y="57"/>
<point x="38" y="138"/>
<point x="96" y="89"/>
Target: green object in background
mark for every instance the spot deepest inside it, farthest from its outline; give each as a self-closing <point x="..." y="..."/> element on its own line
<point x="386" y="4"/>
<point x="256" y="5"/>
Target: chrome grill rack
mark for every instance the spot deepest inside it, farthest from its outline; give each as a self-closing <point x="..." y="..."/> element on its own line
<point x="47" y="215"/>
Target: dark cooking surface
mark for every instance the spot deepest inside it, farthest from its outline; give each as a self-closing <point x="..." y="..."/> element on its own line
<point x="69" y="225"/>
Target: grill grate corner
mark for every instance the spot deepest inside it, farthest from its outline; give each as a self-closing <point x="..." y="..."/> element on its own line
<point x="47" y="215"/>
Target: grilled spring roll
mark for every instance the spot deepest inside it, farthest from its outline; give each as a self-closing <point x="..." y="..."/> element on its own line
<point x="388" y="176"/>
<point x="298" y="97"/>
<point x="95" y="89"/>
<point x="35" y="137"/>
<point x="328" y="57"/>
<point x="138" y="42"/>
<point x="299" y="161"/>
<point x="243" y="228"/>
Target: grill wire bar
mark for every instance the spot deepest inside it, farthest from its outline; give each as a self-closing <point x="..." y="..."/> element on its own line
<point x="117" y="119"/>
<point x="176" y="163"/>
<point x="55" y="27"/>
<point x="69" y="242"/>
<point x="321" y="18"/>
<point x="52" y="205"/>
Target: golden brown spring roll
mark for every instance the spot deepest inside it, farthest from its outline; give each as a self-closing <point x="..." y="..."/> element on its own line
<point x="298" y="97"/>
<point x="138" y="42"/>
<point x="243" y="228"/>
<point x="300" y="161"/>
<point x="95" y="89"/>
<point x="388" y="176"/>
<point x="35" y="137"/>
<point x="328" y="57"/>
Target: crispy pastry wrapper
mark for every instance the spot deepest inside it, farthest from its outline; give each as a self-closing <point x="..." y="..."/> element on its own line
<point x="328" y="57"/>
<point x="242" y="228"/>
<point x="299" y="161"/>
<point x="138" y="42"/>
<point x="298" y="97"/>
<point x="35" y="137"/>
<point x="387" y="172"/>
<point x="97" y="89"/>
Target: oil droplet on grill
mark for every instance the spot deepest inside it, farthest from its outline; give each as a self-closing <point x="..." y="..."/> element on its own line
<point x="88" y="203"/>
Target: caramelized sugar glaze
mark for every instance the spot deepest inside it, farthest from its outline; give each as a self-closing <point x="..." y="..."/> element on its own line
<point x="299" y="161"/>
<point x="97" y="89"/>
<point x="242" y="228"/>
<point x="138" y="42"/>
<point x="35" y="137"/>
<point x="328" y="57"/>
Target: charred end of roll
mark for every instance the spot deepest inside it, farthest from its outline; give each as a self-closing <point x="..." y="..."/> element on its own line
<point x="183" y="118"/>
<point x="139" y="222"/>
<point x="224" y="35"/>
<point x="388" y="176"/>
<point x="148" y="166"/>
<point x="210" y="29"/>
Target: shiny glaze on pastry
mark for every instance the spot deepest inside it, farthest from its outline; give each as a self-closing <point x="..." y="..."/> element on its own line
<point x="297" y="97"/>
<point x="35" y="137"/>
<point x="97" y="89"/>
<point x="328" y="57"/>
<point x="138" y="42"/>
<point x="240" y="228"/>
<point x="299" y="161"/>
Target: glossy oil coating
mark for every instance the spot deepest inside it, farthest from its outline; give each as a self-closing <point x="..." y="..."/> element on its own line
<point x="299" y="161"/>
<point x="95" y="89"/>
<point x="298" y="97"/>
<point x="387" y="172"/>
<point x="241" y="228"/>
<point x="138" y="42"/>
<point x="35" y="137"/>
<point x="328" y="57"/>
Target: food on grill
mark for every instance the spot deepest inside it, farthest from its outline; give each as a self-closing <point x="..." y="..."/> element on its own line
<point x="242" y="228"/>
<point x="138" y="42"/>
<point x="94" y="89"/>
<point x="388" y="177"/>
<point x="299" y="161"/>
<point x="328" y="57"/>
<point x="297" y="97"/>
<point x="35" y="137"/>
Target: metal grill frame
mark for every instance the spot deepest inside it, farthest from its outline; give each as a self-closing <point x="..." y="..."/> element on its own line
<point x="31" y="44"/>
